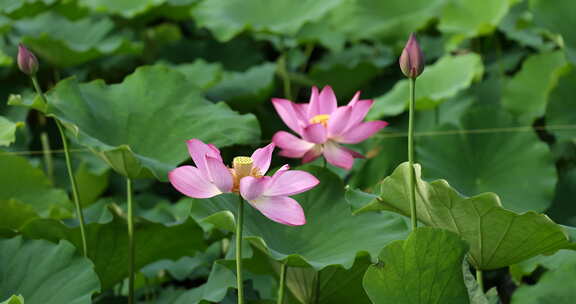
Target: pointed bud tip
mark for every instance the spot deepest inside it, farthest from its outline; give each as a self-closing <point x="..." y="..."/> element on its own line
<point x="412" y="59"/>
<point x="27" y="61"/>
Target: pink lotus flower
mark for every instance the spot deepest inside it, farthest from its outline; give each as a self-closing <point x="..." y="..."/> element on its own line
<point x="268" y="194"/>
<point x="323" y="126"/>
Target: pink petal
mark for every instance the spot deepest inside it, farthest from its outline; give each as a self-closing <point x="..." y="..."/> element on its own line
<point x="359" y="111"/>
<point x="361" y="132"/>
<point x="199" y="150"/>
<point x="290" y="182"/>
<point x="191" y="182"/>
<point x="315" y="133"/>
<point x="281" y="209"/>
<point x="337" y="156"/>
<point x="312" y="154"/>
<point x="219" y="174"/>
<point x="262" y="157"/>
<point x="324" y="103"/>
<point x="339" y="121"/>
<point x="291" y="145"/>
<point x="354" y="99"/>
<point x="289" y="115"/>
<point x="314" y="104"/>
<point x="253" y="187"/>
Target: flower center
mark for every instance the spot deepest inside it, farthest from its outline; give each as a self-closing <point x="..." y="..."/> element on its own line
<point x="242" y="166"/>
<point x="320" y="118"/>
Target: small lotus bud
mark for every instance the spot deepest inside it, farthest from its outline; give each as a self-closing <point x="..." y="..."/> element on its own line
<point x="412" y="59"/>
<point x="27" y="62"/>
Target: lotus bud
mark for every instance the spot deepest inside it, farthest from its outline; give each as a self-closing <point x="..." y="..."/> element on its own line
<point x="412" y="59"/>
<point x="27" y="62"/>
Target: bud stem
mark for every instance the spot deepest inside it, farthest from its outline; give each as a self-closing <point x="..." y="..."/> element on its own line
<point x="282" y="283"/>
<point x="74" y="186"/>
<point x="411" y="174"/>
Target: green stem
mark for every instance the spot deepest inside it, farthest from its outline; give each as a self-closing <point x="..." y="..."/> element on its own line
<point x="283" y="268"/>
<point x="130" y="241"/>
<point x="47" y="154"/>
<point x="283" y="69"/>
<point x="239" y="223"/>
<point x="412" y="192"/>
<point x="75" y="193"/>
<point x="480" y="279"/>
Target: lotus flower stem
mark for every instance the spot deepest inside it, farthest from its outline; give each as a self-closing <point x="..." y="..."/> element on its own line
<point x="47" y="155"/>
<point x="239" y="223"/>
<point x="480" y="279"/>
<point x="281" y="284"/>
<point x="283" y="71"/>
<point x="130" y="241"/>
<point x="75" y="193"/>
<point x="412" y="193"/>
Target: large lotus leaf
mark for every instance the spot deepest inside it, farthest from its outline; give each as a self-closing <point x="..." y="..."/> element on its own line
<point x="330" y="236"/>
<point x="108" y="243"/>
<point x="221" y="279"/>
<point x="370" y="19"/>
<point x="201" y="73"/>
<point x="561" y="102"/>
<point x="20" y="8"/>
<point x="228" y="18"/>
<point x="554" y="286"/>
<point x="464" y="19"/>
<point x="139" y="127"/>
<point x="497" y="237"/>
<point x="425" y="268"/>
<point x="526" y="94"/>
<point x="439" y="82"/>
<point x="24" y="182"/>
<point x="45" y="273"/>
<point x="14" y="300"/>
<point x="126" y="8"/>
<point x="8" y="131"/>
<point x="65" y="43"/>
<point x="558" y="17"/>
<point x="555" y="262"/>
<point x="332" y="284"/>
<point x="519" y="25"/>
<point x="524" y="178"/>
<point x="245" y="90"/>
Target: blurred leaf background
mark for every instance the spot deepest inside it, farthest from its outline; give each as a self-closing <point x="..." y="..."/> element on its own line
<point x="495" y="114"/>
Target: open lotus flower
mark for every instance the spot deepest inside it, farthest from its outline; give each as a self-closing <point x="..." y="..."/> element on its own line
<point x="268" y="194"/>
<point x="323" y="126"/>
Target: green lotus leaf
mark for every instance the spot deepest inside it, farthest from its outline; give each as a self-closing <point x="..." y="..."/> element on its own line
<point x="36" y="269"/>
<point x="245" y="90"/>
<point x="439" y="82"/>
<point x="228" y="18"/>
<point x="519" y="25"/>
<point x="139" y="127"/>
<point x="26" y="183"/>
<point x="425" y="268"/>
<point x="464" y="19"/>
<point x="557" y="16"/>
<point x="201" y="73"/>
<point x="330" y="236"/>
<point x="14" y="300"/>
<point x="554" y="286"/>
<point x="478" y="162"/>
<point x="125" y="8"/>
<point x="558" y="111"/>
<point x="371" y="19"/>
<point x="108" y="243"/>
<point x="66" y="43"/>
<point x="8" y="131"/>
<point x="526" y="94"/>
<point x="497" y="237"/>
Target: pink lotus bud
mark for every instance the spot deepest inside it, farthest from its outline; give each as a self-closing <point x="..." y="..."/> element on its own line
<point x="27" y="62"/>
<point x="412" y="59"/>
